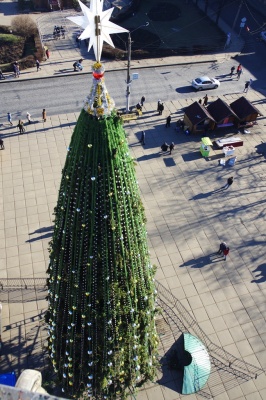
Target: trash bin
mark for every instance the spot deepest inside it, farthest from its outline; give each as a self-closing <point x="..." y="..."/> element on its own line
<point x="205" y="146"/>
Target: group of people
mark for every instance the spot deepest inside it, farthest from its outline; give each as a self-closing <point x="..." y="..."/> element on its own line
<point x="59" y="31"/>
<point x="239" y="71"/>
<point x="165" y="146"/>
<point x="29" y="119"/>
<point x="204" y="101"/>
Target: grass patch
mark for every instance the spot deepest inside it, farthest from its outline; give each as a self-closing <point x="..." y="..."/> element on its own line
<point x="6" y="38"/>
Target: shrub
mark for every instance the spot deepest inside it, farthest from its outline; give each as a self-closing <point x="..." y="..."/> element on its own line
<point x="24" y="26"/>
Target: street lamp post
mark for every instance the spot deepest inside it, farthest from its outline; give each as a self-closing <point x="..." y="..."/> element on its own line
<point x="128" y="81"/>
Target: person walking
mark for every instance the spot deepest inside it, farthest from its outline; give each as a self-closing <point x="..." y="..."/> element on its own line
<point x="164" y="146"/>
<point x="44" y="115"/>
<point x="2" y="144"/>
<point x="47" y="52"/>
<point x="29" y="117"/>
<point x="205" y="100"/>
<point x="142" y="100"/>
<point x="168" y="120"/>
<point x="171" y="147"/>
<point x="1" y="74"/>
<point x="20" y="126"/>
<point x="226" y="252"/>
<point x="142" y="138"/>
<point x="38" y="65"/>
<point x="158" y="106"/>
<point x="239" y="71"/>
<point x="232" y="71"/>
<point x="222" y="247"/>
<point x="229" y="182"/>
<point x="247" y="84"/>
<point x="9" y="118"/>
<point x="161" y="108"/>
<point x="16" y="69"/>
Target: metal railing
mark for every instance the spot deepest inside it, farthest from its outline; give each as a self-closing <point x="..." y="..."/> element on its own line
<point x="22" y="283"/>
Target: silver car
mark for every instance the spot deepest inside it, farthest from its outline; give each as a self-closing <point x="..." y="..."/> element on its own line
<point x="204" y="82"/>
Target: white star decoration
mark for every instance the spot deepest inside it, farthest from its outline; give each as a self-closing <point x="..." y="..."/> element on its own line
<point x="97" y="26"/>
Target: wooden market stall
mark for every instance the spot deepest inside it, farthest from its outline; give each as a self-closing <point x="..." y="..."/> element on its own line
<point x="222" y="113"/>
<point x="198" y="119"/>
<point x="244" y="110"/>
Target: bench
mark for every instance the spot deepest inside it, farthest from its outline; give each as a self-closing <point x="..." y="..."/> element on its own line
<point x="129" y="117"/>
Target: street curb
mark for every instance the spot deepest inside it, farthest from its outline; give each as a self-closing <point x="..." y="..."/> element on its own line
<point x="111" y="70"/>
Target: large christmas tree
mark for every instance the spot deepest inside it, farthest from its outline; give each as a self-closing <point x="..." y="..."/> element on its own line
<point x="102" y="337"/>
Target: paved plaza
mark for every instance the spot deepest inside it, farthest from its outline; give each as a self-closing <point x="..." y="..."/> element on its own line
<point x="187" y="219"/>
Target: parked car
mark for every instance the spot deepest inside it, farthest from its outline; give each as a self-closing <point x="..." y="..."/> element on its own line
<point x="204" y="82"/>
<point x="263" y="36"/>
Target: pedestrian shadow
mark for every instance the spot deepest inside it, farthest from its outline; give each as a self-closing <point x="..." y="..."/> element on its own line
<point x="45" y="232"/>
<point x="148" y="157"/>
<point x="202" y="195"/>
<point x="203" y="261"/>
<point x="67" y="124"/>
<point x="65" y="71"/>
<point x="261" y="274"/>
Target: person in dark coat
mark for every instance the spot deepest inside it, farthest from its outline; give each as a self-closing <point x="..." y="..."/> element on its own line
<point x="142" y="138"/>
<point x="222" y="247"/>
<point x="229" y="182"/>
<point x="232" y="71"/>
<point x="205" y="100"/>
<point x="171" y="147"/>
<point x="161" y="108"/>
<point x="164" y="146"/>
<point x="142" y="100"/>
<point x="247" y="85"/>
<point x="168" y="120"/>
<point x="44" y="115"/>
<point x="20" y="126"/>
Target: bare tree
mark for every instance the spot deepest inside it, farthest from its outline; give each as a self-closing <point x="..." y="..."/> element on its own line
<point x="24" y="26"/>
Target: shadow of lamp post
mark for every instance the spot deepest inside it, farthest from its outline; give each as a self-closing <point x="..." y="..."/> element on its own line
<point x="128" y="81"/>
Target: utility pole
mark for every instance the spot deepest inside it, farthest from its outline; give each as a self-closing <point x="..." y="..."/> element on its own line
<point x="128" y="71"/>
<point x="128" y="81"/>
<point x="237" y="14"/>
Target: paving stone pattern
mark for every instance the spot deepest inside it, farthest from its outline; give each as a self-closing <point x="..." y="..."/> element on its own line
<point x="187" y="219"/>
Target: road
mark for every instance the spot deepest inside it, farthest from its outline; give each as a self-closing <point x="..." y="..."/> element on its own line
<point x="66" y="94"/>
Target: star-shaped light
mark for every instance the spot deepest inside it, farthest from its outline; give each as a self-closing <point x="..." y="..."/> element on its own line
<point x="97" y="26"/>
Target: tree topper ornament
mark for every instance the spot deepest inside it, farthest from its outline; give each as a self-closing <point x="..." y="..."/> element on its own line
<point x="97" y="26"/>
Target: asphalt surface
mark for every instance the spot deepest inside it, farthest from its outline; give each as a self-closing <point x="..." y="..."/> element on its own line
<point x="66" y="94"/>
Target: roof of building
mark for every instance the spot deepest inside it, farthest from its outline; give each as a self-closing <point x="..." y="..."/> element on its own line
<point x="219" y="110"/>
<point x="197" y="113"/>
<point x="243" y="108"/>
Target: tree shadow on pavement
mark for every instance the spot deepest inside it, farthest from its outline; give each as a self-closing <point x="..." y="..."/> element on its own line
<point x="261" y="274"/>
